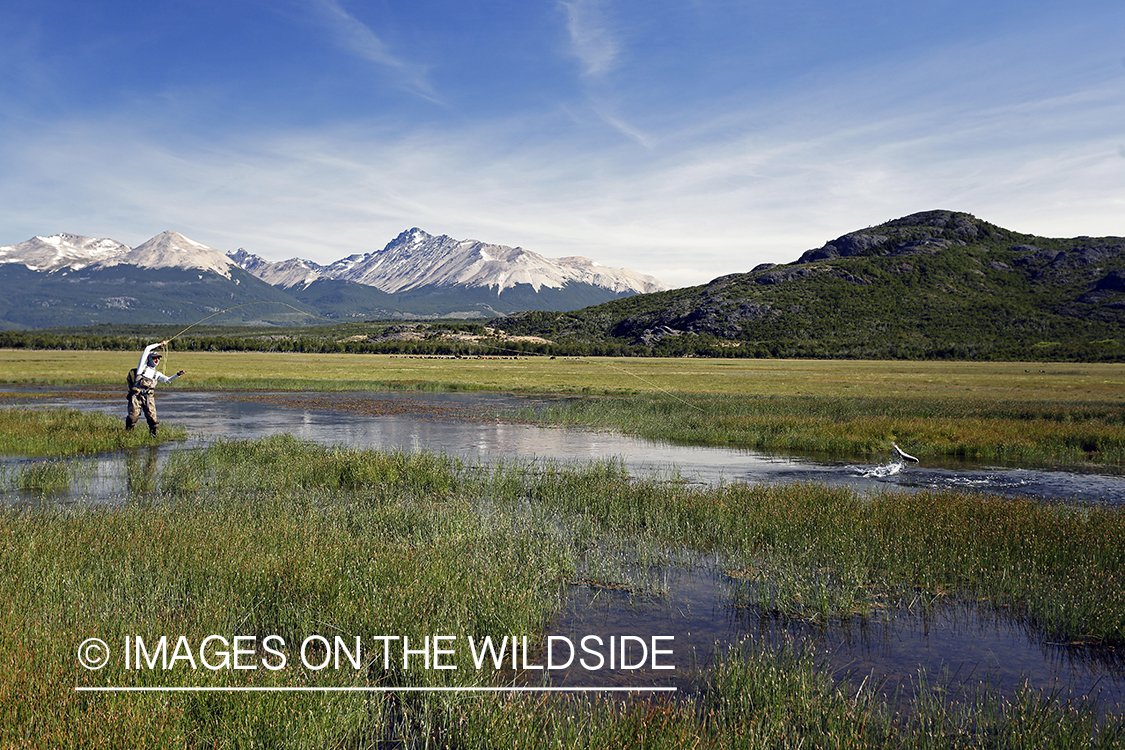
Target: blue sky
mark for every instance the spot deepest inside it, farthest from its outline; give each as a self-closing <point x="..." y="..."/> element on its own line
<point x="682" y="138"/>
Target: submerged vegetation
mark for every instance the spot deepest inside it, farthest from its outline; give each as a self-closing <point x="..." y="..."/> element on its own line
<point x="283" y="537"/>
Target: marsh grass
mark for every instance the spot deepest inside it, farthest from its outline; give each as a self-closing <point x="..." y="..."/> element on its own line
<point x="1016" y="431"/>
<point x="291" y="564"/>
<point x="44" y="476"/>
<point x="280" y="536"/>
<point x="759" y="697"/>
<point x="70" y="432"/>
<point x="802" y="550"/>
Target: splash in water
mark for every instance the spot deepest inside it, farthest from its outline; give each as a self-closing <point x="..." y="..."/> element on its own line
<point x="897" y="464"/>
<point x="878" y="472"/>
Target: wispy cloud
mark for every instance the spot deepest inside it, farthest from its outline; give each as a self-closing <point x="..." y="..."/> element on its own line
<point x="631" y="132"/>
<point x="592" y="40"/>
<point x="685" y="213"/>
<point x="357" y="38"/>
<point x="717" y="190"/>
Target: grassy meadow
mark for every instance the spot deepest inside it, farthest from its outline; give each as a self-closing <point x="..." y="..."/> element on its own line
<point x="278" y="537"/>
<point x="1047" y="414"/>
<point x="999" y="381"/>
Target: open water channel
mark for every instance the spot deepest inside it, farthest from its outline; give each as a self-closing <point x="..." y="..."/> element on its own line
<point x="970" y="646"/>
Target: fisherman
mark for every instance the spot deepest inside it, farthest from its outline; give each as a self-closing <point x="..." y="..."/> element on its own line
<point x="141" y="396"/>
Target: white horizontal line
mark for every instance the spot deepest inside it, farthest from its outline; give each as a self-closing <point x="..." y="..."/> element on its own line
<point x="172" y="689"/>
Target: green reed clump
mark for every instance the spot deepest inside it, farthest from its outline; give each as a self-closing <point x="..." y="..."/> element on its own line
<point x="44" y="476"/>
<point x="757" y="696"/>
<point x="818" y="552"/>
<point x="930" y="427"/>
<point x="69" y="432"/>
<point x="282" y="462"/>
<point x="1062" y="566"/>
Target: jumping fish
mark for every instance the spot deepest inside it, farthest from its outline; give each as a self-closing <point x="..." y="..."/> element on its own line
<point x="903" y="454"/>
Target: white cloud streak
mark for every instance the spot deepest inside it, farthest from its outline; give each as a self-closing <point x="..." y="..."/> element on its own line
<point x="357" y="38"/>
<point x="592" y="39"/>
<point x="690" y="216"/>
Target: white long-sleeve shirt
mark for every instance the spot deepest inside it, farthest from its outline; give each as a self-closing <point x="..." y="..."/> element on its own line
<point x="146" y="370"/>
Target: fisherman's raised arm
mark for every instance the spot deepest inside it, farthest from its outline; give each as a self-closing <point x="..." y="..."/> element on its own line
<point x="149" y="350"/>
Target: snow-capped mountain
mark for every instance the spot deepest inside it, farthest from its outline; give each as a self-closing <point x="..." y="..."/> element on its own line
<point x="284" y="273"/>
<point x="66" y="278"/>
<point x="69" y="280"/>
<point x="417" y="259"/>
<point x="74" y="252"/>
<point x="62" y="251"/>
<point x="173" y="250"/>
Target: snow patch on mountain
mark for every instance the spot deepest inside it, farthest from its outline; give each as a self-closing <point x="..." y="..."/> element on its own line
<point x="286" y="273"/>
<point x="412" y="260"/>
<point x="74" y="252"/>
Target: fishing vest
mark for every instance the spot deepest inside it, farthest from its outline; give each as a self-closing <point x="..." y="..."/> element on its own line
<point x="138" y="383"/>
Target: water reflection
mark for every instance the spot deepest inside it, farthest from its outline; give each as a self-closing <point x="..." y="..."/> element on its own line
<point x="956" y="645"/>
<point x="140" y="469"/>
<point x="437" y="422"/>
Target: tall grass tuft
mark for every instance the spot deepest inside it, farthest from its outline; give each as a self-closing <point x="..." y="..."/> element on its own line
<point x="70" y="432"/>
<point x="44" y="476"/>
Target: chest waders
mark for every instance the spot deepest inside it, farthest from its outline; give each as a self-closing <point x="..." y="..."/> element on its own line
<point x="141" y="399"/>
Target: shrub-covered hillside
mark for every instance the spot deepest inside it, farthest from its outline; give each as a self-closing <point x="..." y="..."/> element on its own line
<point x="938" y="284"/>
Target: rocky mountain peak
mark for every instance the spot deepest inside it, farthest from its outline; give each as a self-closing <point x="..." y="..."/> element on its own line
<point x="294" y="272"/>
<point x="416" y="259"/>
<point x="444" y="275"/>
<point x="173" y="250"/>
<point x="925" y="232"/>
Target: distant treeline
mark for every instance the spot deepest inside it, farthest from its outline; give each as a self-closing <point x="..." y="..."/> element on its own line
<point x="345" y="340"/>
<point x="307" y="344"/>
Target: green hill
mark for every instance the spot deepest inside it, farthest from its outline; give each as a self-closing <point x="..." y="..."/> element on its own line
<point x="937" y="284"/>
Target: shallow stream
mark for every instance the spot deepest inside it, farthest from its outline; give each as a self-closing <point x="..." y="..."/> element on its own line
<point x="464" y="425"/>
<point x="969" y="646"/>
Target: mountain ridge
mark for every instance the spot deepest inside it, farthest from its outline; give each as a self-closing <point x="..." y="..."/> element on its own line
<point x="416" y="275"/>
<point x="932" y="285"/>
<point x="416" y="259"/>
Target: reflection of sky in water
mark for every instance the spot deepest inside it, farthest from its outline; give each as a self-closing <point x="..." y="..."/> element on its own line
<point x="954" y="643"/>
